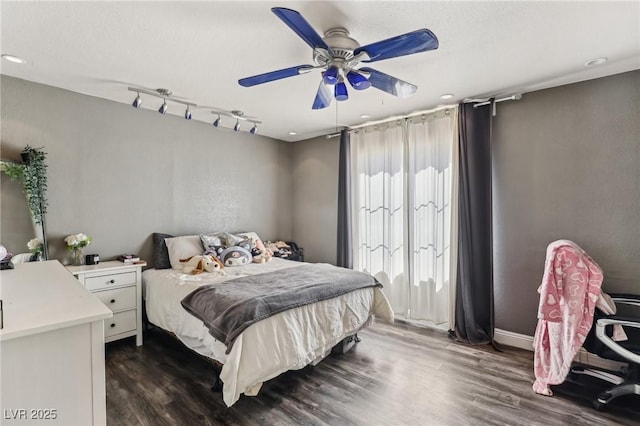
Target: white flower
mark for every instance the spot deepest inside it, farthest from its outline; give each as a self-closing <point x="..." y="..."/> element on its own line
<point x="77" y="241"/>
<point x="34" y="243"/>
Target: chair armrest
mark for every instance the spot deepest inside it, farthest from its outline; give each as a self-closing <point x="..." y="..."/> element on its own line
<point x="626" y="299"/>
<point x="602" y="323"/>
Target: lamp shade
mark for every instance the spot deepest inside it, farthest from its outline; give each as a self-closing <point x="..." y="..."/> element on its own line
<point x="357" y="80"/>
<point x="331" y="75"/>
<point x="340" y="92"/>
<point x="137" y="102"/>
<point x="163" y="108"/>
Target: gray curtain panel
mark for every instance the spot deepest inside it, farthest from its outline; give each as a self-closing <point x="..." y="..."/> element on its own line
<point x="345" y="256"/>
<point x="474" y="314"/>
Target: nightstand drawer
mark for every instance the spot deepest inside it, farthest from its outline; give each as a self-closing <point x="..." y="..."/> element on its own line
<point x="118" y="299"/>
<point x="120" y="323"/>
<point x="111" y="280"/>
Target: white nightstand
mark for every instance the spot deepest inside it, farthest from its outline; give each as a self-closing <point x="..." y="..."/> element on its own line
<point x="118" y="286"/>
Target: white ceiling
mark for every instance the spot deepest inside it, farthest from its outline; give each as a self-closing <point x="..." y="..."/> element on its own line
<point x="200" y="49"/>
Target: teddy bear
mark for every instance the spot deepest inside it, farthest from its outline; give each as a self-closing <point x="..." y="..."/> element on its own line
<point x="201" y="263"/>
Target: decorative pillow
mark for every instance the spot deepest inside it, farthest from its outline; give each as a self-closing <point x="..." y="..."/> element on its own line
<point x="160" y="253"/>
<point x="213" y="240"/>
<point x="255" y="240"/>
<point x="182" y="248"/>
<point x="235" y="256"/>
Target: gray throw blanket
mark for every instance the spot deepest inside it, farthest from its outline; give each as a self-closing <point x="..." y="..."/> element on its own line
<point x="230" y="307"/>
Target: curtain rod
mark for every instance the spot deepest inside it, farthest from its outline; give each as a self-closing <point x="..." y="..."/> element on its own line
<point x="515" y="97"/>
<point x="387" y="120"/>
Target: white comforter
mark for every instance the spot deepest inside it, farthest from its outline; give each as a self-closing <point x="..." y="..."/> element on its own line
<point x="286" y="341"/>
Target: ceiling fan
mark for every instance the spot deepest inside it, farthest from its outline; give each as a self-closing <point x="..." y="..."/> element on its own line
<point x="338" y="54"/>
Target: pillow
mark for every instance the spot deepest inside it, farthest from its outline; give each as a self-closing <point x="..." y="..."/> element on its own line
<point x="182" y="248"/>
<point x="213" y="240"/>
<point x="255" y="240"/>
<point x="160" y="253"/>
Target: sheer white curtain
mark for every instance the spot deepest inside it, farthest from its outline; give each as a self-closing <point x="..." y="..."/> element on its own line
<point x="403" y="181"/>
<point x="378" y="194"/>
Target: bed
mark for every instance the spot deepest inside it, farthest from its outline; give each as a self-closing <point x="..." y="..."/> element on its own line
<point x="288" y="340"/>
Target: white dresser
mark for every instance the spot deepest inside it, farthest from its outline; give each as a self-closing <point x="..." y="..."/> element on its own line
<point x="51" y="348"/>
<point x="118" y="285"/>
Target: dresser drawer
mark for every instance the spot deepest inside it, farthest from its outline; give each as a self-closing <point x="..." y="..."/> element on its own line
<point x="118" y="299"/>
<point x="111" y="280"/>
<point x="120" y="323"/>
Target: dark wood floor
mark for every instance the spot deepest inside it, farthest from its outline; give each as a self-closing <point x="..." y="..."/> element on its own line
<point x="398" y="375"/>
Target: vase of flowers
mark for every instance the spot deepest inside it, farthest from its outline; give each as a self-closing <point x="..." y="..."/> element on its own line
<point x="76" y="244"/>
<point x="36" y="247"/>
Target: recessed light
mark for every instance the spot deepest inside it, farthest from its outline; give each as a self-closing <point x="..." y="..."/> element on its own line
<point x="13" y="59"/>
<point x="446" y="96"/>
<point x="292" y="133"/>
<point x="594" y="62"/>
<point x="365" y="115"/>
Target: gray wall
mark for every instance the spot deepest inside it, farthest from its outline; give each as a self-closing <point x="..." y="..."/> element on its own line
<point x="566" y="165"/>
<point x="315" y="197"/>
<point x="119" y="174"/>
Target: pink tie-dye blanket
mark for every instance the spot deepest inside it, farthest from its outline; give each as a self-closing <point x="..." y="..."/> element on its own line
<point x="568" y="294"/>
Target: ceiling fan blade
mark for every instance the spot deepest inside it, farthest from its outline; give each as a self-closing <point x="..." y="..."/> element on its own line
<point x="402" y="45"/>
<point x="389" y="84"/>
<point x="323" y="96"/>
<point x="274" y="75"/>
<point x="300" y="26"/>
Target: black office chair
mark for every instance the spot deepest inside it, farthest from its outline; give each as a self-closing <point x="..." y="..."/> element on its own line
<point x="599" y="342"/>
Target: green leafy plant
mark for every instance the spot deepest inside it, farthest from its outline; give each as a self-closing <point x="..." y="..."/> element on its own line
<point x="34" y="179"/>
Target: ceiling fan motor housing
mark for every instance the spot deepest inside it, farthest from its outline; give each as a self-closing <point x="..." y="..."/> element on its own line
<point x="342" y="47"/>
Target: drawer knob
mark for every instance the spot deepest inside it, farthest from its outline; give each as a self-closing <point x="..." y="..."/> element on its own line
<point x="113" y="325"/>
<point x="112" y="301"/>
<point x="112" y="281"/>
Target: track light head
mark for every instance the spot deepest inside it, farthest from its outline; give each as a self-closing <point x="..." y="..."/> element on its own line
<point x="254" y="129"/>
<point x="331" y="75"/>
<point x="137" y="102"/>
<point x="236" y="128"/>
<point x="357" y="80"/>
<point x="340" y="92"/>
<point x="217" y="122"/>
<point x="187" y="114"/>
<point x="163" y="107"/>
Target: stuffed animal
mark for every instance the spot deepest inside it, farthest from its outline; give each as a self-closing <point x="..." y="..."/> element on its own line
<point x="202" y="263"/>
<point x="235" y="256"/>
<point x="259" y="252"/>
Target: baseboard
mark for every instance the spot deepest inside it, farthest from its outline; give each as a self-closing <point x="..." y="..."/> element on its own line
<point x="515" y="340"/>
<point x="522" y="341"/>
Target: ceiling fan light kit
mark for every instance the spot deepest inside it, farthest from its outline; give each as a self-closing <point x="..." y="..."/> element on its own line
<point x="339" y="55"/>
<point x="167" y="96"/>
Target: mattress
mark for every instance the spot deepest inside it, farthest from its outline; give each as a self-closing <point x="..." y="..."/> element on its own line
<point x="286" y="341"/>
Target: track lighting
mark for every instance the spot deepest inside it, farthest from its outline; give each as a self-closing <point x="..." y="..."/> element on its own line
<point x="357" y="80"/>
<point x="340" y="91"/>
<point x="167" y="96"/>
<point x="163" y="107"/>
<point x="331" y="75"/>
<point x="137" y="102"/>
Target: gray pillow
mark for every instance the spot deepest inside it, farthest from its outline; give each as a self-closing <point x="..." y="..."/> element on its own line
<point x="160" y="252"/>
